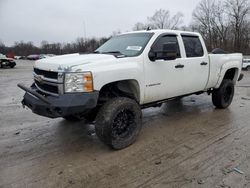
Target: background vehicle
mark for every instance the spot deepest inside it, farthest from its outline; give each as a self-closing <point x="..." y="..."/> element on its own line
<point x="130" y="72"/>
<point x="246" y="64"/>
<point x="40" y="56"/>
<point x="6" y="62"/>
<point x="33" y="57"/>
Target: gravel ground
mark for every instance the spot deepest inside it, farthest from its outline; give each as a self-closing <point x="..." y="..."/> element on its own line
<point x="185" y="143"/>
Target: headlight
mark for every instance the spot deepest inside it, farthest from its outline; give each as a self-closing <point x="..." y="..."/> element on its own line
<point x="78" y="82"/>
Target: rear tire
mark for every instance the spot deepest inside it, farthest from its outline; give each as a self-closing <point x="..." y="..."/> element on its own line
<point x="248" y="68"/>
<point x="118" y="122"/>
<point x="223" y="96"/>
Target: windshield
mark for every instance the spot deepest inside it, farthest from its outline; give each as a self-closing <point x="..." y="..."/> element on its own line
<point x="128" y="45"/>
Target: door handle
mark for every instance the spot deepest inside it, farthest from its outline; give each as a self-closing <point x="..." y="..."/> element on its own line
<point x="204" y="63"/>
<point x="179" y="66"/>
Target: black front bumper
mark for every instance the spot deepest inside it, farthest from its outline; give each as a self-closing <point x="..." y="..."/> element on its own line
<point x="58" y="106"/>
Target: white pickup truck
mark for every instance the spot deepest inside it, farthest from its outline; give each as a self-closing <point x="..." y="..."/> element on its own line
<point x="246" y="64"/>
<point x="129" y="72"/>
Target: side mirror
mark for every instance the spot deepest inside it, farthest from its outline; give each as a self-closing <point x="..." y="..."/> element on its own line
<point x="152" y="55"/>
<point x="168" y="52"/>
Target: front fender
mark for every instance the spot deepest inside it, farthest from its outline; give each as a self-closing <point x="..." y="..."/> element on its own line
<point x="119" y="72"/>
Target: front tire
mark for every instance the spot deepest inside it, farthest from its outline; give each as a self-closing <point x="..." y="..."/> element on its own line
<point x="223" y="96"/>
<point x="118" y="122"/>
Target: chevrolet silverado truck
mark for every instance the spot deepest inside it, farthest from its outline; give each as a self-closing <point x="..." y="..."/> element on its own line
<point x="6" y="62"/>
<point x="130" y="72"/>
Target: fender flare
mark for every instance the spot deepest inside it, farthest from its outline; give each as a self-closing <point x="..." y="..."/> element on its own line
<point x="224" y="69"/>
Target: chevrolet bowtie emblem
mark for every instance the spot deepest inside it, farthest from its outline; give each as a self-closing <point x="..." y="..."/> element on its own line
<point x="39" y="78"/>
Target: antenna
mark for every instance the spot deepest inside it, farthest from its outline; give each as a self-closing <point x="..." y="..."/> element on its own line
<point x="148" y="28"/>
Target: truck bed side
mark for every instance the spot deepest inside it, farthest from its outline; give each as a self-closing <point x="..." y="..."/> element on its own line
<point x="220" y="64"/>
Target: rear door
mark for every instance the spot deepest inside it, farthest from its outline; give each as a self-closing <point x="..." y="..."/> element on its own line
<point x="196" y="63"/>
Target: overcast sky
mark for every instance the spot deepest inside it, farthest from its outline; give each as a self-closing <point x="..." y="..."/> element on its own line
<point x="63" y="20"/>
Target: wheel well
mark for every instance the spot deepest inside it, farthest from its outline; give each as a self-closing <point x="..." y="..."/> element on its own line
<point x="124" y="88"/>
<point x="231" y="74"/>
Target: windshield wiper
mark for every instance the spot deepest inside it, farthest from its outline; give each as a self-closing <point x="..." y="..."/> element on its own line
<point x="115" y="53"/>
<point x="112" y="52"/>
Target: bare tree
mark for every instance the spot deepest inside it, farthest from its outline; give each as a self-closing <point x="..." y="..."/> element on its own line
<point x="176" y="20"/>
<point x="45" y="47"/>
<point x="81" y="44"/>
<point x="1" y="43"/>
<point x="3" y="48"/>
<point x="139" y="26"/>
<point x="238" y="12"/>
<point x="223" y="23"/>
<point x="203" y="15"/>
<point x="163" y="20"/>
<point x="220" y="25"/>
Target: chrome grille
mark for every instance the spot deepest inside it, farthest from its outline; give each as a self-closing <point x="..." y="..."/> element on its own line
<point x="47" y="87"/>
<point x="47" y="74"/>
<point x="48" y="82"/>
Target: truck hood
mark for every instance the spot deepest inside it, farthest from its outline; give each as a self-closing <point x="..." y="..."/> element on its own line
<point x="66" y="63"/>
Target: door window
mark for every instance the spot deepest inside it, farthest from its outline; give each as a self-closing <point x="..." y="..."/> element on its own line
<point x="192" y="46"/>
<point x="158" y="46"/>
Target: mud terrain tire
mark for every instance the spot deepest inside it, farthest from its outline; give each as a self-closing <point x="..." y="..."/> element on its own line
<point x="223" y="96"/>
<point x="118" y="123"/>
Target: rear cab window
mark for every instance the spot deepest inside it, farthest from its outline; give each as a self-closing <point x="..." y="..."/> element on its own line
<point x="193" y="46"/>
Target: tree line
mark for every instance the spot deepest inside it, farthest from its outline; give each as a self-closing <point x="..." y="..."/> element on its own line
<point x="222" y="23"/>
<point x="81" y="45"/>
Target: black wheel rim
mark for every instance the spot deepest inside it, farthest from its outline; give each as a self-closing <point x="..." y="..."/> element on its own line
<point x="123" y="124"/>
<point x="228" y="94"/>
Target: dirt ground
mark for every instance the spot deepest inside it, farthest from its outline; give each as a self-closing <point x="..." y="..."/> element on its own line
<point x="185" y="143"/>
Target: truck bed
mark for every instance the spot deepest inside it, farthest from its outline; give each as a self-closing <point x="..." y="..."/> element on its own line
<point x="219" y="63"/>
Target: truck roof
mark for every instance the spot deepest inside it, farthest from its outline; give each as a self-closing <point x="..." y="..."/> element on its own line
<point x="161" y="31"/>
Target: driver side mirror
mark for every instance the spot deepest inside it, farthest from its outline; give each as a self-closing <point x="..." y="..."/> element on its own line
<point x="168" y="52"/>
<point x="152" y="55"/>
